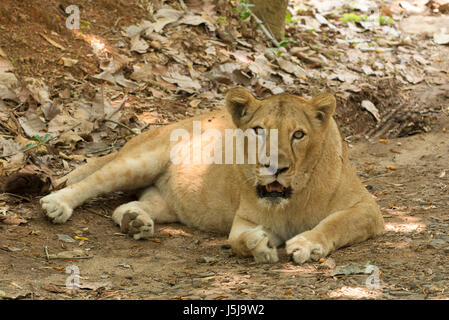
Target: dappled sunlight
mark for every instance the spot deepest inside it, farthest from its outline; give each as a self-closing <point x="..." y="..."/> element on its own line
<point x="354" y="293"/>
<point x="97" y="44"/>
<point x="407" y="223"/>
<point x="405" y="227"/>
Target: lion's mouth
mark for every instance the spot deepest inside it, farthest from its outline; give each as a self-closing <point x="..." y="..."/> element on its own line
<point x="273" y="190"/>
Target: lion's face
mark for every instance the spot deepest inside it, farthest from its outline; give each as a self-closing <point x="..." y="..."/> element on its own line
<point x="300" y="126"/>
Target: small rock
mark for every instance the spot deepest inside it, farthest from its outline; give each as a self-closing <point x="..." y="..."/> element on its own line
<point x="156" y="45"/>
<point x="328" y="264"/>
<point x="129" y="277"/>
<point x="65" y="238"/>
<point x="207" y="260"/>
<point x="156" y="291"/>
<point x="435" y="243"/>
<point x="196" y="283"/>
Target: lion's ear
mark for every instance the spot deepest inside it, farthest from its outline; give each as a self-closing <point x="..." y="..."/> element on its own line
<point x="324" y="106"/>
<point x="240" y="103"/>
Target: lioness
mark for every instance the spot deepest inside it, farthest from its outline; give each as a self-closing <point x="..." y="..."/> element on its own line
<point x="313" y="201"/>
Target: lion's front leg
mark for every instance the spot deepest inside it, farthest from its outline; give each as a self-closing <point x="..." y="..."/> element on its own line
<point x="339" y="229"/>
<point x="248" y="239"/>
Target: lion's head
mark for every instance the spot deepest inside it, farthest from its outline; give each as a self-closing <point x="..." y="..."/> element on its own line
<point x="301" y="126"/>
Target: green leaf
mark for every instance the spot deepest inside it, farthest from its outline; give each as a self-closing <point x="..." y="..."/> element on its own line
<point x="386" y="21"/>
<point x="284" y="43"/>
<point x="29" y="145"/>
<point x="36" y="138"/>
<point x="288" y="17"/>
<point x="351" y="17"/>
<point x="47" y="138"/>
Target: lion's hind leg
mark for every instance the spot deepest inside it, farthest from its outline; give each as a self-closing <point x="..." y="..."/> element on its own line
<point x="86" y="170"/>
<point x="127" y="171"/>
<point x="137" y="218"/>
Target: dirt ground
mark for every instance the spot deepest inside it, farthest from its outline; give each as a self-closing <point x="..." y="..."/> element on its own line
<point x="408" y="174"/>
<point x="183" y="263"/>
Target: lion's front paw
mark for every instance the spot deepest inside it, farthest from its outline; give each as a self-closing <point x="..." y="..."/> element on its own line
<point x="264" y="252"/>
<point x="56" y="209"/>
<point x="137" y="224"/>
<point x="303" y="250"/>
<point x="260" y="247"/>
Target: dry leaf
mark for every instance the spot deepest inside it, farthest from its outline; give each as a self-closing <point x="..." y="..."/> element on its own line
<point x="3" y="54"/>
<point x="68" y="62"/>
<point x="371" y="108"/>
<point x="183" y="82"/>
<point x="8" y="81"/>
<point x="38" y="89"/>
<point x="441" y="38"/>
<point x="139" y="45"/>
<point x="32" y="125"/>
<point x="195" y="20"/>
<point x="53" y="43"/>
<point x="12" y="221"/>
<point x="54" y="288"/>
<point x="165" y="16"/>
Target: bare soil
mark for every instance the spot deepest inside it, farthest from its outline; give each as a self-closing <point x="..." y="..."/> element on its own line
<point x="409" y="176"/>
<point x="183" y="263"/>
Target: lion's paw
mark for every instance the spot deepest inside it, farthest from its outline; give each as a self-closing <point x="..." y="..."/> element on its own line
<point x="265" y="253"/>
<point x="57" y="210"/>
<point x="261" y="249"/>
<point x="303" y="250"/>
<point x="137" y="224"/>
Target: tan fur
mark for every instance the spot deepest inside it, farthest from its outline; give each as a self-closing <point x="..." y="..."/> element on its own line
<point x="329" y="207"/>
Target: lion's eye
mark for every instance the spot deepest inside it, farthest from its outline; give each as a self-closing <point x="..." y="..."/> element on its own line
<point x="259" y="130"/>
<point x="298" y="135"/>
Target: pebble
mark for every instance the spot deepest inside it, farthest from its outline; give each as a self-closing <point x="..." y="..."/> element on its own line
<point x="290" y="283"/>
<point x="156" y="291"/>
<point x="156" y="45"/>
<point x="435" y="243"/>
<point x="206" y="260"/>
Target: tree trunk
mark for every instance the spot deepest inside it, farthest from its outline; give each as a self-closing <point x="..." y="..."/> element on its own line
<point x="272" y="13"/>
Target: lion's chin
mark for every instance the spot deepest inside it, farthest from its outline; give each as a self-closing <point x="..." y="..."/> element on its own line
<point x="273" y="203"/>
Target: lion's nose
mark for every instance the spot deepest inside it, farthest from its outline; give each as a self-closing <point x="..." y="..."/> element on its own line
<point x="279" y="170"/>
